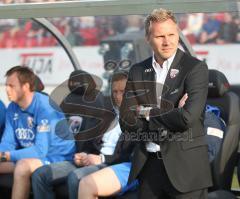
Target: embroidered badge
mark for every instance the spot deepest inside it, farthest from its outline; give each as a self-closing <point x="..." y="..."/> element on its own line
<point x="15" y="117"/>
<point x="30" y="122"/>
<point x="173" y="73"/>
<point x="43" y="127"/>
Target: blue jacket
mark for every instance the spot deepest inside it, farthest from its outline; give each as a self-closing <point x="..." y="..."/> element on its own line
<point x="35" y="133"/>
<point x="2" y="118"/>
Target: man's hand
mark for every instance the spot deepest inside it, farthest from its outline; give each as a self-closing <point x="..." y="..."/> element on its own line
<point x="145" y="111"/>
<point x="81" y="159"/>
<point x="94" y="159"/>
<point x="183" y="100"/>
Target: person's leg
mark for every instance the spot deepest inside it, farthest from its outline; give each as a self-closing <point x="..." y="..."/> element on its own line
<point x="76" y="176"/>
<point x="155" y="183"/>
<point x="22" y="173"/>
<point x="45" y="177"/>
<point x="101" y="183"/>
<point x="152" y="179"/>
<point x="122" y="172"/>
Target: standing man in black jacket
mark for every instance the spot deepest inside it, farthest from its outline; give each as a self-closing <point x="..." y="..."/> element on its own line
<point x="171" y="160"/>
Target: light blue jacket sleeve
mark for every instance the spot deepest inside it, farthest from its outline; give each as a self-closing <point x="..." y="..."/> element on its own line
<point x="8" y="141"/>
<point x="45" y="126"/>
<point x="2" y="117"/>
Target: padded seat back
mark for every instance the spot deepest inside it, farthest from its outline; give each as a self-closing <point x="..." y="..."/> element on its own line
<point x="228" y="102"/>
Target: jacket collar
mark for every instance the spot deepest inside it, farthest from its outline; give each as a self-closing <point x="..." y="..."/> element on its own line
<point x="173" y="72"/>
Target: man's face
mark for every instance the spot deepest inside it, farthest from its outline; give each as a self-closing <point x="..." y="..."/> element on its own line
<point x="118" y="88"/>
<point x="14" y="89"/>
<point x="163" y="38"/>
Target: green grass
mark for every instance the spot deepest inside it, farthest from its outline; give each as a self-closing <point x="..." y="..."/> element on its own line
<point x="235" y="184"/>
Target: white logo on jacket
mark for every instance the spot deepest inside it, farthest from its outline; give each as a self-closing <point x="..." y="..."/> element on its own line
<point x="15" y="116"/>
<point x="43" y="126"/>
<point x="173" y="72"/>
<point x="24" y="134"/>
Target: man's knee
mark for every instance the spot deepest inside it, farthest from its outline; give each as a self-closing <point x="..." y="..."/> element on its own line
<point x="42" y="175"/>
<point x="84" y="182"/>
<point x="22" y="169"/>
<point x="86" y="185"/>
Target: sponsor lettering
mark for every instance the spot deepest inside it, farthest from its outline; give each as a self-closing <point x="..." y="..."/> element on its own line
<point x="41" y="63"/>
<point x="24" y="134"/>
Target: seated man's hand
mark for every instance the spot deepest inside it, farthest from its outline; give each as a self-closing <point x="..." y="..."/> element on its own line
<point x="94" y="159"/>
<point x="80" y="159"/>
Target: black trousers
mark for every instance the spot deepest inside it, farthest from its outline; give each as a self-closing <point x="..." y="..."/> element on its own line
<point x="155" y="184"/>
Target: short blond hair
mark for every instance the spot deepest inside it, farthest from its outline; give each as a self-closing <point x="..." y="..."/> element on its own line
<point x="158" y="15"/>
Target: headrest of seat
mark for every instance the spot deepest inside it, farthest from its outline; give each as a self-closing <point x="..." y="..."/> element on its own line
<point x="218" y="84"/>
<point x="38" y="84"/>
<point x="80" y="82"/>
